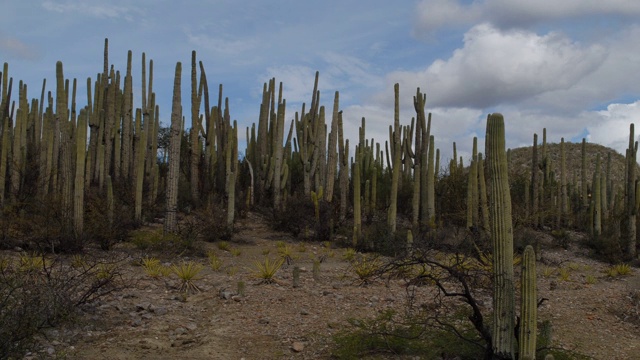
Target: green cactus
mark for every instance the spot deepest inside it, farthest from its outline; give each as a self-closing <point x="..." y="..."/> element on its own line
<point x="528" y="305"/>
<point x="332" y="155"/>
<point x="357" y="211"/>
<point x="395" y="167"/>
<point x="4" y="150"/>
<point x="170" y="220"/>
<point x="534" y="182"/>
<point x="502" y="239"/>
<point x="630" y="193"/>
<point x="81" y="142"/>
<point x="484" y="204"/>
<point x="583" y="175"/>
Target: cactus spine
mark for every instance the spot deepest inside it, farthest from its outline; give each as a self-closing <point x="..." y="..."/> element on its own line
<point x="528" y="305"/>
<point x="502" y="239"/>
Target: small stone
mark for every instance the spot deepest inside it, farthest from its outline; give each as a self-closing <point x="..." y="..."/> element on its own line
<point x="136" y="323"/>
<point x="304" y="312"/>
<point x="51" y="351"/>
<point x="142" y="307"/>
<point x="326" y="292"/>
<point x="181" y="331"/>
<point x="263" y="321"/>
<point x="160" y="311"/>
<point x="191" y="326"/>
<point x="297" y="346"/>
<point x="236" y="298"/>
<point x="147" y="316"/>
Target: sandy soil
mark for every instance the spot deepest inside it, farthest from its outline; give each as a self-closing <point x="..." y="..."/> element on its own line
<point x="152" y="320"/>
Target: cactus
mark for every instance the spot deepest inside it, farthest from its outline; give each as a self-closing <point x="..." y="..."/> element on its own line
<point x="484" y="205"/>
<point x="534" y="181"/>
<point x="357" y="211"/>
<point x="140" y="156"/>
<point x="564" y="198"/>
<point x="332" y="155"/>
<point x="395" y="151"/>
<point x="528" y="305"/>
<point x="583" y="175"/>
<point x="231" y="165"/>
<point x="196" y="125"/>
<point x="170" y="220"/>
<point x="4" y="150"/>
<point x="502" y="238"/>
<point x="630" y="193"/>
<point x="81" y="142"/>
<point x="597" y="200"/>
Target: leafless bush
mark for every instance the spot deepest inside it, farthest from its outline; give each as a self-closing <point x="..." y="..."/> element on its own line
<point x="37" y="292"/>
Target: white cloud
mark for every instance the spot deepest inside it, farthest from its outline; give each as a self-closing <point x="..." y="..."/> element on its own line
<point x="432" y="15"/>
<point x="495" y="66"/>
<point x="612" y="125"/>
<point x="15" y="48"/>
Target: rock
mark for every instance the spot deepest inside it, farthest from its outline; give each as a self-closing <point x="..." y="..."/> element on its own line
<point x="297" y="346"/>
<point x="304" y="312"/>
<point x="263" y="321"/>
<point x="191" y="326"/>
<point x="136" y="322"/>
<point x="181" y="331"/>
<point x="160" y="311"/>
<point x="142" y="306"/>
<point x="226" y="295"/>
<point x="236" y="298"/>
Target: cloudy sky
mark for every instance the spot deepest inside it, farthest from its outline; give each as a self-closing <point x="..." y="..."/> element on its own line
<point x="572" y="66"/>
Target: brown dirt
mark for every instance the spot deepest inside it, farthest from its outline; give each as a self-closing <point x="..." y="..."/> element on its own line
<point x="151" y="320"/>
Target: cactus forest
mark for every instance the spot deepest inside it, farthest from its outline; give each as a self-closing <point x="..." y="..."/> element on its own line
<point x="104" y="191"/>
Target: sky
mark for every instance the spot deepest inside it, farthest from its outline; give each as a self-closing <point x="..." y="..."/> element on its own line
<point x="570" y="66"/>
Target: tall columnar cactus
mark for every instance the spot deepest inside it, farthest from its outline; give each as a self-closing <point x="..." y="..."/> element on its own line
<point x="231" y="164"/>
<point x="81" y="151"/>
<point x="396" y="166"/>
<point x="4" y="150"/>
<point x="343" y="160"/>
<point x="141" y="147"/>
<point x="472" y="193"/>
<point x="564" y="198"/>
<point x="170" y="220"/>
<point x="430" y="184"/>
<point x="597" y="200"/>
<point x="534" y="181"/>
<point x="583" y="176"/>
<point x="528" y="305"/>
<point x="126" y="138"/>
<point x="630" y="193"/>
<point x="332" y="155"/>
<point x="197" y="89"/>
<point x="502" y="238"/>
<point x="357" y="210"/>
<point x="484" y="205"/>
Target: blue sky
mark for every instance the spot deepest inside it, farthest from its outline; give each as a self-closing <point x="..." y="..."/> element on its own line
<point x="568" y="65"/>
